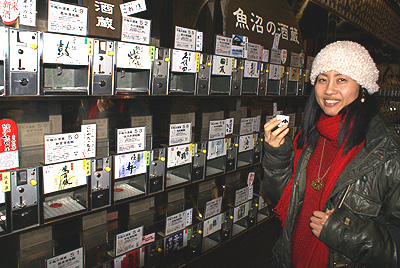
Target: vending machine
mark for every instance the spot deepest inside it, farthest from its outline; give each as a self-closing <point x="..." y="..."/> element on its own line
<point x="25" y="205"/>
<point x="65" y="188"/>
<point x="161" y="71"/>
<point x="65" y="64"/>
<point x="133" y="68"/>
<point x="184" y="72"/>
<point x="100" y="182"/>
<point x="21" y="62"/>
<point x="102" y="67"/>
<point x="130" y="175"/>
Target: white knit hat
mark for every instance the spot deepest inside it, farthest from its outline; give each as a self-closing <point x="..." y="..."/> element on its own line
<point x="350" y="59"/>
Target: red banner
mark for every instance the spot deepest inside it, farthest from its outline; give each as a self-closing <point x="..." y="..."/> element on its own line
<point x="8" y="145"/>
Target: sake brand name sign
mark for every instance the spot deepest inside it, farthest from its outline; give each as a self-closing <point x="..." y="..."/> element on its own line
<point x="8" y="145"/>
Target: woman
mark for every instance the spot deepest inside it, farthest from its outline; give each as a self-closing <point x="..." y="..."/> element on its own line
<point x="338" y="183"/>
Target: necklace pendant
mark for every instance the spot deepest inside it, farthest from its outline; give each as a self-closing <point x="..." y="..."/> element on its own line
<point x="317" y="184"/>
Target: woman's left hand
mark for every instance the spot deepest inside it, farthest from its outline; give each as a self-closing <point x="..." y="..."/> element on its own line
<point x="318" y="220"/>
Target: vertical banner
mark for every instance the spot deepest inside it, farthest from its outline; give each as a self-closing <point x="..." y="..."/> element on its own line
<point x="8" y="145"/>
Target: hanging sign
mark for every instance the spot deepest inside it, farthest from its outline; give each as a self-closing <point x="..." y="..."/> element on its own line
<point x="223" y="45"/>
<point x="128" y="241"/>
<point x="185" y="38"/>
<point x="131" y="139"/>
<point x="104" y="18"/>
<point x="9" y="10"/>
<point x="135" y="30"/>
<point x="27" y="14"/>
<point x="180" y="133"/>
<point x="72" y="259"/>
<point x="133" y="7"/>
<point x="65" y="18"/>
<point x="8" y="145"/>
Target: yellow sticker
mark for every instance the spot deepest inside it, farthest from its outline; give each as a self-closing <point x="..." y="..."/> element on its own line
<point x="152" y="51"/>
<point x="86" y="166"/>
<point x="197" y="58"/>
<point x="90" y="46"/>
<point x="192" y="149"/>
<point x="5" y="178"/>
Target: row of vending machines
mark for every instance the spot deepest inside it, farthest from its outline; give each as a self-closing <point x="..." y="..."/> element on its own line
<point x="42" y="194"/>
<point x="44" y="63"/>
<point x="155" y="231"/>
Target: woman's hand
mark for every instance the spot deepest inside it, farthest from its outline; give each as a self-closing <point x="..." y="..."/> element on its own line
<point x="275" y="137"/>
<point x="318" y="220"/>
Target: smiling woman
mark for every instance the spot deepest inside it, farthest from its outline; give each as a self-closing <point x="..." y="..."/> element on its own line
<point x="339" y="158"/>
<point x="334" y="91"/>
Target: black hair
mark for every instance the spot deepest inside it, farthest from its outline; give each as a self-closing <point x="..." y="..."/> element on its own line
<point x="352" y="131"/>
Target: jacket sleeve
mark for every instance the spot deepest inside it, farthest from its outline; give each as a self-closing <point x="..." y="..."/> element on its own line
<point x="277" y="165"/>
<point x="371" y="240"/>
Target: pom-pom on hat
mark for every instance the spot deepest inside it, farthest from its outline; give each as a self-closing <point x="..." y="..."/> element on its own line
<point x="350" y="59"/>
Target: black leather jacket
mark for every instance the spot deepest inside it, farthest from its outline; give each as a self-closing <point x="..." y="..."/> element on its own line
<point x="365" y="230"/>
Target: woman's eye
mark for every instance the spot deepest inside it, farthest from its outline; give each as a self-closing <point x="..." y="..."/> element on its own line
<point x="342" y="80"/>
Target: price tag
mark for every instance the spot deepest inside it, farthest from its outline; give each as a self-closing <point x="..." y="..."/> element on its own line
<point x="185" y="38"/>
<point x="180" y="133"/>
<point x="131" y="139"/>
<point x="128" y="241"/>
<point x="213" y="207"/>
<point x="175" y="223"/>
<point x="276" y="56"/>
<point x="135" y="30"/>
<point x="217" y="129"/>
<point x="66" y="18"/>
<point x="254" y="52"/>
<point x="63" y="147"/>
<point x="72" y="259"/>
<point x="223" y="45"/>
<point x="241" y="196"/>
<point x="246" y="125"/>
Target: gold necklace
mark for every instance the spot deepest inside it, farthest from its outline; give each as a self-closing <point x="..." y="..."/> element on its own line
<point x="317" y="184"/>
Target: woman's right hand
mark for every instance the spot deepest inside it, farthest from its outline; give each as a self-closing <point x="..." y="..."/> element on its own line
<point x="275" y="137"/>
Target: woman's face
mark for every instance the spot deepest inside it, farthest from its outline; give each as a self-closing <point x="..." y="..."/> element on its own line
<point x="334" y="91"/>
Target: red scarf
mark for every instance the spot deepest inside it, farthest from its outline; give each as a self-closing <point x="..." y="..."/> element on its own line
<point x="317" y="252"/>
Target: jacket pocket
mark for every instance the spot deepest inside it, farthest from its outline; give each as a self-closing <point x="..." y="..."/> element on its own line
<point x="362" y="205"/>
